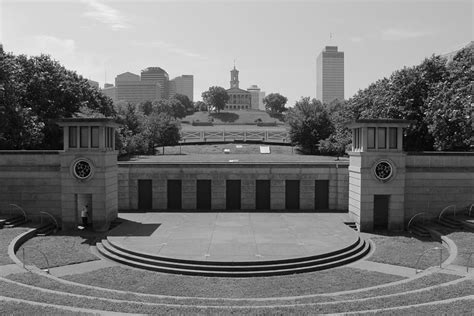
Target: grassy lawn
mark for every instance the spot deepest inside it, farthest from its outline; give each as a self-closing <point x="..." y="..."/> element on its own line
<point x="404" y="250"/>
<point x="6" y="237"/>
<point x="15" y="308"/>
<point x="218" y="149"/>
<point x="142" y="281"/>
<point x="60" y="250"/>
<point x="460" y="289"/>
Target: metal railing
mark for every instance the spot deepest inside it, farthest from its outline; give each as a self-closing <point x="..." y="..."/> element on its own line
<point x="471" y="208"/>
<point x="42" y="253"/>
<point x="413" y="218"/>
<point x="15" y="206"/>
<point x="52" y="217"/>
<point x="445" y="209"/>
<point x="434" y="248"/>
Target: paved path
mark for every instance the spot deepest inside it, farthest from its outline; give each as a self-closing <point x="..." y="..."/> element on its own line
<point x="233" y="236"/>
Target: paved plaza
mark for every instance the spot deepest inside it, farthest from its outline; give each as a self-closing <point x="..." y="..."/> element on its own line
<point x="233" y="236"/>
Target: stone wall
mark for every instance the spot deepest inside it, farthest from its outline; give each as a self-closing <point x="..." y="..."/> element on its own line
<point x="32" y="180"/>
<point x="130" y="172"/>
<point x="436" y="180"/>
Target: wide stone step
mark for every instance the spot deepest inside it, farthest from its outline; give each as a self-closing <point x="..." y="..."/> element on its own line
<point x="235" y="269"/>
<point x="46" y="229"/>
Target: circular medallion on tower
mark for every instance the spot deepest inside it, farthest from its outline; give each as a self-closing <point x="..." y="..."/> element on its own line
<point x="383" y="170"/>
<point x="82" y="169"/>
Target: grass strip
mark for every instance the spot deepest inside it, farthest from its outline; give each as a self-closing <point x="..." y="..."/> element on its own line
<point x="21" y="308"/>
<point x="142" y="281"/>
<point x="405" y="251"/>
<point x="6" y="237"/>
<point x="460" y="307"/>
<point x="60" y="250"/>
<point x="48" y="283"/>
<point x="460" y="289"/>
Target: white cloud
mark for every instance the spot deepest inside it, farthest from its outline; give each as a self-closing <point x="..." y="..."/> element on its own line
<point x="168" y="47"/>
<point x="106" y="14"/>
<point x="396" y="34"/>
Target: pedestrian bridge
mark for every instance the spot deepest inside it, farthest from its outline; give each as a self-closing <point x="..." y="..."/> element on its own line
<point x="263" y="136"/>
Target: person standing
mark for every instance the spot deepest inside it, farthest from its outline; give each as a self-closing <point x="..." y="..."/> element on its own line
<point x="84" y="215"/>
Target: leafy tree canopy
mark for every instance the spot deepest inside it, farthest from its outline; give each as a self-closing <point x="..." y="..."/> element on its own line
<point x="275" y="103"/>
<point x="216" y="98"/>
<point x="188" y="104"/>
<point x="37" y="92"/>
<point x="434" y="95"/>
<point x="309" y="123"/>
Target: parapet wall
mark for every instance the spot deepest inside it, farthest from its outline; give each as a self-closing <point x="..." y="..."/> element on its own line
<point x="435" y="180"/>
<point x="32" y="180"/>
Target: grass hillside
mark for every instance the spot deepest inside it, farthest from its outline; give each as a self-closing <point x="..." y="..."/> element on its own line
<point x="232" y="117"/>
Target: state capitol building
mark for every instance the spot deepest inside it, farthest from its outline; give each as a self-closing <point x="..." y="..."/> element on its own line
<point x="240" y="99"/>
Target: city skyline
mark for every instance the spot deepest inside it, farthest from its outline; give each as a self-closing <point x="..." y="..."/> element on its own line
<point x="282" y="40"/>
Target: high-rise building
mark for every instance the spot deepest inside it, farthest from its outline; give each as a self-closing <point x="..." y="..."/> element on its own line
<point x="130" y="88"/>
<point x="182" y="85"/>
<point x="157" y="75"/>
<point x="110" y="91"/>
<point x="330" y="75"/>
<point x="93" y="83"/>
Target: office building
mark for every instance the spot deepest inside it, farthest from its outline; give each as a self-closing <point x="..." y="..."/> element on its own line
<point x="157" y="75"/>
<point x="130" y="88"/>
<point x="330" y="75"/>
<point x="256" y="102"/>
<point x="182" y="85"/>
<point x="110" y="91"/>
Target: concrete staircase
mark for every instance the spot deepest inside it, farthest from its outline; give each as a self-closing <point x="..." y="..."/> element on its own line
<point x="352" y="253"/>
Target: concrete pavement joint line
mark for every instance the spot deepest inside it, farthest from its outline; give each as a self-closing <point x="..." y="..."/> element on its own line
<point x="229" y="306"/>
<point x="208" y="252"/>
<point x="63" y="307"/>
<point x="450" y="300"/>
<point x="257" y="251"/>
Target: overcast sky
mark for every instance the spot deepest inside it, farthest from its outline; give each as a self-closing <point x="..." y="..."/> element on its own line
<point x="274" y="43"/>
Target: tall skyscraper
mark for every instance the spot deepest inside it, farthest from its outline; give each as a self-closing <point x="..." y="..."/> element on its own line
<point x="157" y="75"/>
<point x="330" y="75"/>
<point x="182" y="85"/>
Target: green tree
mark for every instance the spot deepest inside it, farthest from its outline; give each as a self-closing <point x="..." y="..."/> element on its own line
<point x="188" y="104"/>
<point x="216" y="98"/>
<point x="172" y="107"/>
<point x="200" y="106"/>
<point x="37" y="92"/>
<point x="275" y="103"/>
<point x="338" y="142"/>
<point x="448" y="115"/>
<point x="146" y="107"/>
<point x="160" y="129"/>
<point x="309" y="123"/>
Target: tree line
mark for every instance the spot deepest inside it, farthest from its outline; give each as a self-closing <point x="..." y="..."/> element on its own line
<point x="434" y="95"/>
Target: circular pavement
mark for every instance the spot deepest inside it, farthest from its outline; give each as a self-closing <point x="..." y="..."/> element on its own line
<point x="234" y="237"/>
